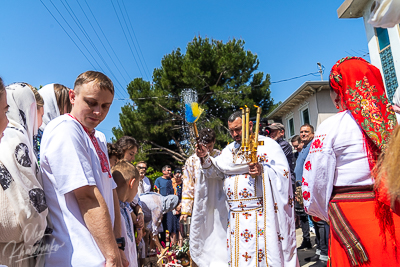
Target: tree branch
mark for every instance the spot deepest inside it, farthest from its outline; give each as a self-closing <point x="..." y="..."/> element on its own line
<point x="169" y="111"/>
<point x="203" y="80"/>
<point x="219" y="78"/>
<point x="166" y="153"/>
<point x="178" y="145"/>
<point x="165" y="149"/>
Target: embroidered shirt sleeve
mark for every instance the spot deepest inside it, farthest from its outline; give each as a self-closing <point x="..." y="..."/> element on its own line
<point x="188" y="179"/>
<point x="318" y="176"/>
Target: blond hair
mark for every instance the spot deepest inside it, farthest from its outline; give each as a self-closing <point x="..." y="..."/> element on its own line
<point x="387" y="170"/>
<point x="123" y="172"/>
<point x="38" y="97"/>
<point x="62" y="98"/>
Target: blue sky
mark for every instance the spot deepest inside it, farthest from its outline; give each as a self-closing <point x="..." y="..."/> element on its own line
<point x="289" y="37"/>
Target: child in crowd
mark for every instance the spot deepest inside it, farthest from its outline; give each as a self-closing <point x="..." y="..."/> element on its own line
<point x="126" y="176"/>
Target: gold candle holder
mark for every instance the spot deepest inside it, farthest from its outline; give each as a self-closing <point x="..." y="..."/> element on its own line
<point x="243" y="127"/>
<point x="247" y="126"/>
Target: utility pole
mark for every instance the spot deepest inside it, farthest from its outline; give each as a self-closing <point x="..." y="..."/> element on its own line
<point x="320" y="70"/>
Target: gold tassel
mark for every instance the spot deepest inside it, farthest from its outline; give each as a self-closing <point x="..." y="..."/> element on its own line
<point x="363" y="254"/>
<point x="352" y="257"/>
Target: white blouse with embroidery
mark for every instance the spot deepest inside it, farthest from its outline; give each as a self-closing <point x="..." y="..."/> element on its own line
<point x="337" y="157"/>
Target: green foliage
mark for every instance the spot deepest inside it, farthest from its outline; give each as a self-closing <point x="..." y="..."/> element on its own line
<point x="153" y="174"/>
<point x="225" y="78"/>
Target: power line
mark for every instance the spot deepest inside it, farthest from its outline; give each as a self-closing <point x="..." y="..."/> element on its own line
<point x="105" y="37"/>
<point x="76" y="35"/>
<point x="285" y="80"/>
<point x="82" y="29"/>
<point x="68" y="35"/>
<point x="94" y="47"/>
<point x="130" y="35"/>
<point x="126" y="38"/>
<point x="140" y="50"/>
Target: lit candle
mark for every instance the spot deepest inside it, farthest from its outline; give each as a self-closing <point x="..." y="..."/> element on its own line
<point x="243" y="125"/>
<point x="257" y="123"/>
<point x="247" y="126"/>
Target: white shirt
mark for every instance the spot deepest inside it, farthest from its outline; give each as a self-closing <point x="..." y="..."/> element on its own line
<point x="337" y="157"/>
<point x="69" y="161"/>
<point x="146" y="185"/>
<point x="127" y="231"/>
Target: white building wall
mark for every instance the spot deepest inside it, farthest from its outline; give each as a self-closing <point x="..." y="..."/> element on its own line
<point x="313" y="109"/>
<point x="394" y="36"/>
<point x="373" y="45"/>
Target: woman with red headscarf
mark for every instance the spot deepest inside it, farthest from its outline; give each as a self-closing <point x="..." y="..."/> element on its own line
<point x="338" y="185"/>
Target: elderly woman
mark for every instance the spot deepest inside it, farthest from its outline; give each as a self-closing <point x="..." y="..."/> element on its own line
<point x="337" y="182"/>
<point x="22" y="201"/>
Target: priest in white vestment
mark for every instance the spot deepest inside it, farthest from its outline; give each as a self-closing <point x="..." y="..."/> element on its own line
<point x="260" y="229"/>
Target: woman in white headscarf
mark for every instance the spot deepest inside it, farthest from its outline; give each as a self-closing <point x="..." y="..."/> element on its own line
<point x="23" y="207"/>
<point x="56" y="102"/>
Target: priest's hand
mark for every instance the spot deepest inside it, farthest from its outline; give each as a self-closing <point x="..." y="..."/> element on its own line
<point x="201" y="150"/>
<point x="255" y="168"/>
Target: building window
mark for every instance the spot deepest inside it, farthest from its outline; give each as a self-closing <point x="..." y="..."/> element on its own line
<point x="305" y="116"/>
<point x="291" y="127"/>
<point x="385" y="52"/>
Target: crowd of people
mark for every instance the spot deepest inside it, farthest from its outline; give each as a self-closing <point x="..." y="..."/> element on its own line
<point x="69" y="198"/>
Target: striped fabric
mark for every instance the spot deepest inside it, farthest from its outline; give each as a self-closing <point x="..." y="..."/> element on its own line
<point x="343" y="231"/>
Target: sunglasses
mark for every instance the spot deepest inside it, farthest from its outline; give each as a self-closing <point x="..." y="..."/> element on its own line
<point x="142" y="168"/>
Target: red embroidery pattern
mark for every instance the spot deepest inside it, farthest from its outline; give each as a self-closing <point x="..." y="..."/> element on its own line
<point x="286" y="173"/>
<point x="262" y="158"/>
<point x="245" y="193"/>
<point x="229" y="193"/>
<point x="102" y="156"/>
<point x="246" y="214"/>
<point x="247" y="235"/>
<point x="317" y="144"/>
<point x="306" y="195"/>
<point x="260" y="255"/>
<point x="308" y="165"/>
<point x="241" y="205"/>
<point x="246" y="256"/>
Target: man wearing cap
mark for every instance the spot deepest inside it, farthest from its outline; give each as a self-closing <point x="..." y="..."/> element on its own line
<point x="277" y="132"/>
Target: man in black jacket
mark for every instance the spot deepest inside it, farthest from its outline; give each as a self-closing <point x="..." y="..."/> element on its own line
<point x="277" y="132"/>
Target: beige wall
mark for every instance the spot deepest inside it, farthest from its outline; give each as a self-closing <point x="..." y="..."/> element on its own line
<point x="320" y="107"/>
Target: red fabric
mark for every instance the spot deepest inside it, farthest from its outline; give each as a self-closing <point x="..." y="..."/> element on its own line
<point x="360" y="87"/>
<point x="105" y="167"/>
<point x="364" y="222"/>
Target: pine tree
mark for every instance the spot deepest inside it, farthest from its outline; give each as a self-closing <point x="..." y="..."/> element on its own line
<point x="225" y="78"/>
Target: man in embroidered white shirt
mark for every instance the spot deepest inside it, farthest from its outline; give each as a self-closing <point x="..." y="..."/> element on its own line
<point x="77" y="180"/>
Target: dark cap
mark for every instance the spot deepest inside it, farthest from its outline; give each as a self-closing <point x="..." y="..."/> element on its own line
<point x="276" y="126"/>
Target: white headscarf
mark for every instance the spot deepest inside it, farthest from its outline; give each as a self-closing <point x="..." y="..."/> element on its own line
<point x="396" y="97"/>
<point x="385" y="14"/>
<point x="20" y="178"/>
<point x="51" y="110"/>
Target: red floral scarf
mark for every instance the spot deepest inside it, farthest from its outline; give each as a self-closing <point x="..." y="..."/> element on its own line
<point x="360" y="87"/>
